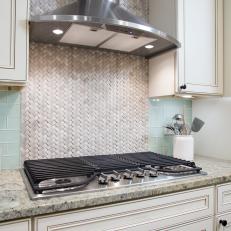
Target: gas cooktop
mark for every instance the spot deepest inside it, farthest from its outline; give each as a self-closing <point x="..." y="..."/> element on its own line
<point x="64" y="176"/>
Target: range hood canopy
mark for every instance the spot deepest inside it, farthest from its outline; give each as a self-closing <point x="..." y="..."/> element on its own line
<point x="100" y="24"/>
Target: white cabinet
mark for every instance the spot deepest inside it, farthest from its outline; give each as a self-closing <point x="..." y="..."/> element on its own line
<point x="24" y="225"/>
<point x="223" y="218"/>
<point x="224" y="198"/>
<point x="197" y="67"/>
<point x="14" y="41"/>
<point x="223" y="222"/>
<point x="201" y="57"/>
<point x="156" y="213"/>
<point x="162" y="73"/>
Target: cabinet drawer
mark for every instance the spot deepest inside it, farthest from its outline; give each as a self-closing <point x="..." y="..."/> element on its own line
<point x="224" y="198"/>
<point x="23" y="225"/>
<point x="157" y="212"/>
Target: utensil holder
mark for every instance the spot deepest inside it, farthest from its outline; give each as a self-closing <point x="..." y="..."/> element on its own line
<point x="183" y="147"/>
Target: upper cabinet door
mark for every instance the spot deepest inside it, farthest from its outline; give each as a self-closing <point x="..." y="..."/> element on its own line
<point x="14" y="41"/>
<point x="200" y="60"/>
<point x="197" y="67"/>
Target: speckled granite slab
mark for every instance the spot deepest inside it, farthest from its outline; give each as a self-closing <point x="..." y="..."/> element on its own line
<point x="15" y="203"/>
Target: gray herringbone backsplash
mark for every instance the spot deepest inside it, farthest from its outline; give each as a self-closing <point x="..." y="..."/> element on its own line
<point x="83" y="102"/>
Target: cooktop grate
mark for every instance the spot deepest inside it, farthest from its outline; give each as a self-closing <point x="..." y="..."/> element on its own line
<point x="153" y="159"/>
<point x="108" y="163"/>
<point x="39" y="170"/>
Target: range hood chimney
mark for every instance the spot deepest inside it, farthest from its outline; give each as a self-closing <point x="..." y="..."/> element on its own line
<point x="115" y="1"/>
<point x="102" y="24"/>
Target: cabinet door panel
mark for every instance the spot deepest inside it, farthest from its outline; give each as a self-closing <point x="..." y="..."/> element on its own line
<point x="200" y="25"/>
<point x="16" y="226"/>
<point x="224" y="198"/>
<point x="201" y="57"/>
<point x="14" y="40"/>
<point x="7" y="26"/>
<point x="201" y="225"/>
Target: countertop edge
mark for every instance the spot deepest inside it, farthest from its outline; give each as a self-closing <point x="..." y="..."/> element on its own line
<point x="72" y="203"/>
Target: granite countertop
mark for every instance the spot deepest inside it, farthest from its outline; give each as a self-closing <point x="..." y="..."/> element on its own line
<point x="15" y="202"/>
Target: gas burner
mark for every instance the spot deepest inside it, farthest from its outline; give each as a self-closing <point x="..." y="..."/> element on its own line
<point x="178" y="170"/>
<point x="64" y="176"/>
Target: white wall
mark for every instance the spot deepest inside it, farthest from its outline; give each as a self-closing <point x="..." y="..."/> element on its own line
<point x="215" y="138"/>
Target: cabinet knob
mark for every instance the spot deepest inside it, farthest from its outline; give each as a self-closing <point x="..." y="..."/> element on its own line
<point x="223" y="222"/>
<point x="183" y="87"/>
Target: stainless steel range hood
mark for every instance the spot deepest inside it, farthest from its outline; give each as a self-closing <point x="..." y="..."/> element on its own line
<point x="100" y="24"/>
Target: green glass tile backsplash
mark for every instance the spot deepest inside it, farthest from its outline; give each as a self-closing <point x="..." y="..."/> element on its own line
<point x="9" y="129"/>
<point x="161" y="112"/>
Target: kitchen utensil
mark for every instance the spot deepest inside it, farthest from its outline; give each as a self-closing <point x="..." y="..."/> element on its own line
<point x="179" y="117"/>
<point x="177" y="128"/>
<point x="187" y="129"/>
<point x="171" y="128"/>
<point x="184" y="129"/>
<point x="197" y="124"/>
<point x="179" y="124"/>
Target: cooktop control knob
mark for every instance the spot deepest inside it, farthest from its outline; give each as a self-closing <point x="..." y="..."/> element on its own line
<point x="115" y="176"/>
<point x="153" y="173"/>
<point x="128" y="174"/>
<point x="140" y="173"/>
<point x="103" y="179"/>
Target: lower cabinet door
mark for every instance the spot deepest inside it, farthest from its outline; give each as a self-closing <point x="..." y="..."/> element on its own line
<point x="23" y="225"/>
<point x="223" y="198"/>
<point x="223" y="222"/>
